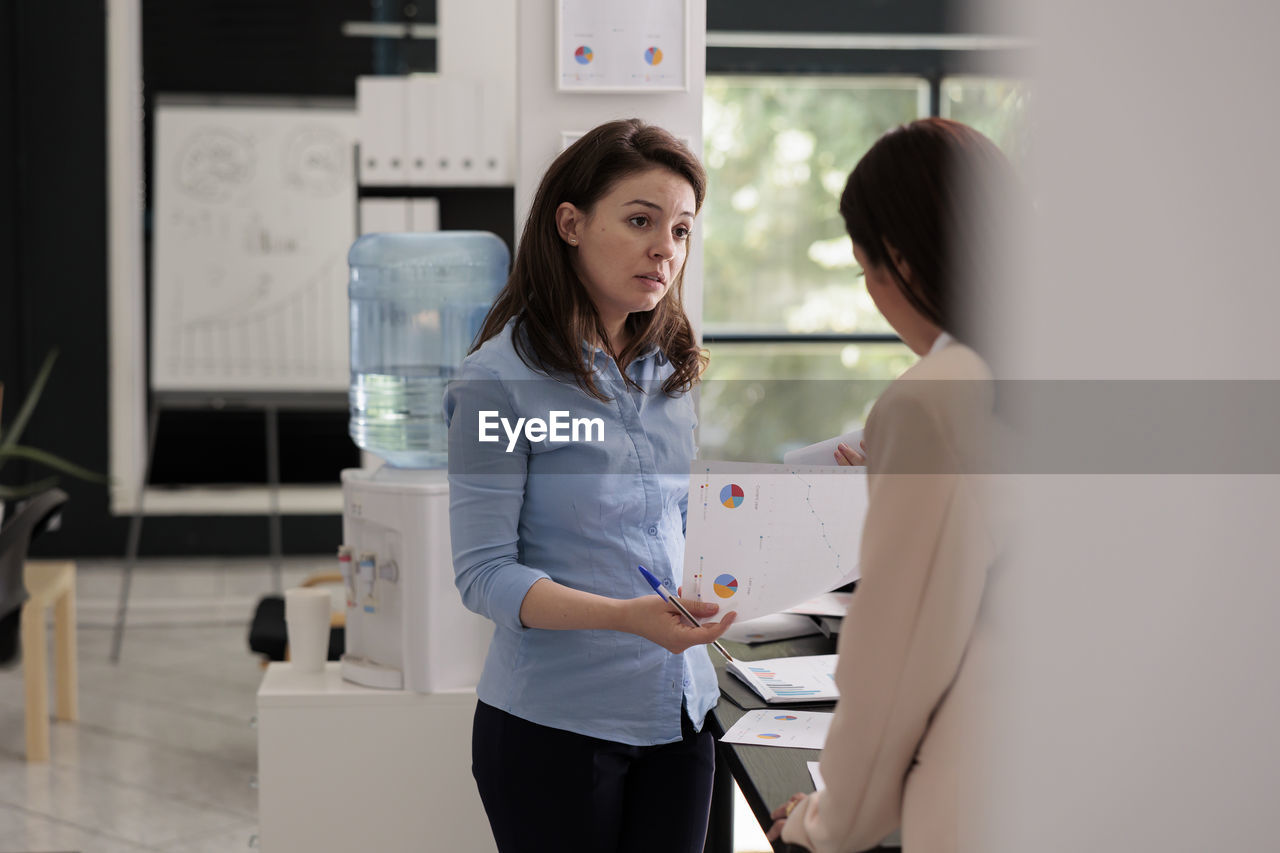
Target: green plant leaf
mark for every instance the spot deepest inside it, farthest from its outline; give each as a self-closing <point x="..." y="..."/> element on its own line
<point x="19" y="423"/>
<point x="8" y="493"/>
<point x="55" y="462"/>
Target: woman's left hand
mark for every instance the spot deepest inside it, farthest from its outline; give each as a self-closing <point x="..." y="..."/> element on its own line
<point x="652" y="618"/>
<point x="847" y="456"/>
<point x="780" y="815"/>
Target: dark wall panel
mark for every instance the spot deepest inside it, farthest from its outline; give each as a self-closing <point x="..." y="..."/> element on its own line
<point x="254" y="46"/>
<point x="829" y="16"/>
<point x="59" y="257"/>
<point x="10" y="291"/>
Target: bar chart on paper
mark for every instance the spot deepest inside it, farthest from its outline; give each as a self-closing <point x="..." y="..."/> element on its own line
<point x="797" y="679"/>
<point x="762" y="538"/>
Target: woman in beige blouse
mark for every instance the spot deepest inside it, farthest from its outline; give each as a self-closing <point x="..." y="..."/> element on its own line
<point x="900" y="755"/>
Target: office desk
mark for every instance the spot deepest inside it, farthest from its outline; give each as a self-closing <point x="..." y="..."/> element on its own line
<point x="767" y="775"/>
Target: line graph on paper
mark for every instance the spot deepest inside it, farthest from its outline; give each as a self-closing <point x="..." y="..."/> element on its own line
<point x="254" y="212"/>
<point x="782" y="533"/>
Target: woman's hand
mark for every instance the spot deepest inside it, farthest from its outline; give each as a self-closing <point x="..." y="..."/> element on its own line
<point x="846" y="455"/>
<point x="657" y="621"/>
<point x="780" y="815"/>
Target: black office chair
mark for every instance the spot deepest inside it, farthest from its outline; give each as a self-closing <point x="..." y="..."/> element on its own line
<point x="33" y="517"/>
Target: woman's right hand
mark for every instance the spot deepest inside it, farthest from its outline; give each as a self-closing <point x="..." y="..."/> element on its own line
<point x="657" y="621"/>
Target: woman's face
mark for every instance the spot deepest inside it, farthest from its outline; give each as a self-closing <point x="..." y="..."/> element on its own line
<point x="632" y="244"/>
<point x="880" y="283"/>
<point x="915" y="331"/>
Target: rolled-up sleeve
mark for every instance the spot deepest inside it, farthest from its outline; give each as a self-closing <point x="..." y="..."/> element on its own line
<point x="486" y="496"/>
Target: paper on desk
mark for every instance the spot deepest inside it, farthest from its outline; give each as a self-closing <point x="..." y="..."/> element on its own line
<point x="773" y="727"/>
<point x="762" y="538"/>
<point x="807" y="678"/>
<point x="827" y="604"/>
<point x="767" y="629"/>
<point x="816" y="772"/>
<point x="824" y="452"/>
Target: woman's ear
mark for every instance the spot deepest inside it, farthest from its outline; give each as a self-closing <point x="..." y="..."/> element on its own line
<point x="899" y="262"/>
<point x="569" y="222"/>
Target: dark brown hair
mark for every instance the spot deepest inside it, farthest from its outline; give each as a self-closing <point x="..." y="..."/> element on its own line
<point x="939" y="192"/>
<point x="552" y="309"/>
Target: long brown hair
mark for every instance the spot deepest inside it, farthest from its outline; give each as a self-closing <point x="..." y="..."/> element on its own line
<point x="941" y="194"/>
<point x="554" y="313"/>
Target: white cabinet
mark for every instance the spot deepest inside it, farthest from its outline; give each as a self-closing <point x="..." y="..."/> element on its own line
<point x="343" y="767"/>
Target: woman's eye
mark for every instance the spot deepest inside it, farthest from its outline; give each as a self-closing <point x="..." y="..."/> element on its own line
<point x="681" y="232"/>
<point x="639" y="221"/>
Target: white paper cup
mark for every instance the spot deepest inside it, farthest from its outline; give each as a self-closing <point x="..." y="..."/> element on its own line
<point x="306" y="617"/>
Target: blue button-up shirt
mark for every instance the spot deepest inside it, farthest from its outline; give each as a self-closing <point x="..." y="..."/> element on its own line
<point x="584" y="513"/>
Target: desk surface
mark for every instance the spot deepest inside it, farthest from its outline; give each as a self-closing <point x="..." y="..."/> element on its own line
<point x="766" y="775"/>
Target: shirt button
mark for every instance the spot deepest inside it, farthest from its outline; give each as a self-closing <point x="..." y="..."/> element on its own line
<point x="653" y="531"/>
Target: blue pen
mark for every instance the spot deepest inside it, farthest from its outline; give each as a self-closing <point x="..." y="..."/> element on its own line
<point x="674" y="602"/>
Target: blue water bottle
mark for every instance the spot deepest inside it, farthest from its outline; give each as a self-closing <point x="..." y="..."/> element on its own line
<point x="417" y="304"/>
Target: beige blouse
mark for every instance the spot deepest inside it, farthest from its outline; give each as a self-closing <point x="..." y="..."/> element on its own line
<point x="897" y="748"/>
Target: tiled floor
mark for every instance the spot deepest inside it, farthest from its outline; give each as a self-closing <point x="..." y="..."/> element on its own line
<point x="164" y="754"/>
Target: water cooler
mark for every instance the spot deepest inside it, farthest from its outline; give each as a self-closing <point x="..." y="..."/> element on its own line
<point x="406" y="626"/>
<point x="341" y="765"/>
<point x="417" y="303"/>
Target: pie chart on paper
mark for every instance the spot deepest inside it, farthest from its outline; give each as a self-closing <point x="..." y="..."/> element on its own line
<point x="731" y="496"/>
<point x="583" y="55"/>
<point x="725" y="586"/>
<point x="653" y="56"/>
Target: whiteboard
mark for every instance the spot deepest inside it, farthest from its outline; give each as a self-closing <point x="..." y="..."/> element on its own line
<point x="254" y="211"/>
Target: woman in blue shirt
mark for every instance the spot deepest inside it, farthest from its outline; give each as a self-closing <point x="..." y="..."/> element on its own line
<point x="570" y="440"/>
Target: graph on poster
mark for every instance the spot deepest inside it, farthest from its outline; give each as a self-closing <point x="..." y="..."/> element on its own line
<point x="622" y="47"/>
<point x="762" y="538"/>
<point x="254" y="211"/>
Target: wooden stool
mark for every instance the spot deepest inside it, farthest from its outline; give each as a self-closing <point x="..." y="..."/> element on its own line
<point x="50" y="583"/>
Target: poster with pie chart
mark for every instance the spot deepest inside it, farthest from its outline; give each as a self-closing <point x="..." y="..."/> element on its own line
<point x="636" y="47"/>
<point x="761" y="538"/>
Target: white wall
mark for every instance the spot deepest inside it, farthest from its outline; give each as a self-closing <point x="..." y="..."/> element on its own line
<point x="127" y="338"/>
<point x="1140" y="702"/>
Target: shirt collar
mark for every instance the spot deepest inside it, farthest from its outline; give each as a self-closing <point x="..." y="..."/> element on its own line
<point x="592" y="349"/>
<point x="943" y="340"/>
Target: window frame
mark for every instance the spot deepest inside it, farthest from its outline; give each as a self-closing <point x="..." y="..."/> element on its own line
<point x="932" y="58"/>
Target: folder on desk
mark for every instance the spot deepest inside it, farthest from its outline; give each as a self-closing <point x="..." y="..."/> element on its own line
<point x="459" y="114"/>
<point x="497" y="129"/>
<point x="771" y="628"/>
<point x="779" y="681"/>
<point x="380" y="128"/>
<point x="829" y="626"/>
<point x="384" y="215"/>
<point x="424" y="214"/>
<point x="425" y="123"/>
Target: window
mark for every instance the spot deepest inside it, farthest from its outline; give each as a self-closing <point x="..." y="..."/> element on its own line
<point x="798" y="351"/>
<point x="996" y="107"/>
<point x="787" y="319"/>
<point x="778" y="151"/>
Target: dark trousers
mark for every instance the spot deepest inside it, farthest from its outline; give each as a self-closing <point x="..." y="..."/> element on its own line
<point x="545" y="789"/>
